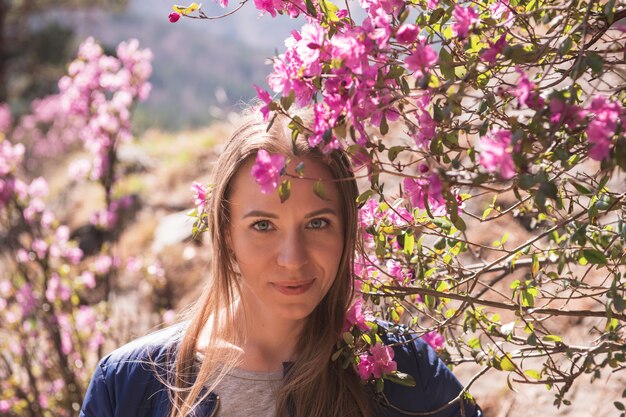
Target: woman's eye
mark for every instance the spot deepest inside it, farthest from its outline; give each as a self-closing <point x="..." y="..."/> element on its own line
<point x="318" y="223"/>
<point x="262" y="226"/>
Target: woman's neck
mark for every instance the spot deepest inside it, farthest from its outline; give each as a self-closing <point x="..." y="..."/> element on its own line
<point x="268" y="341"/>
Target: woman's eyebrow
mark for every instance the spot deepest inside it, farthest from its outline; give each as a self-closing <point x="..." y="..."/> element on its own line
<point x="259" y="213"/>
<point x="326" y="210"/>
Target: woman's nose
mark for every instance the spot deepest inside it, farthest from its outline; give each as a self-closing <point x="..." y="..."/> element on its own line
<point x="292" y="252"/>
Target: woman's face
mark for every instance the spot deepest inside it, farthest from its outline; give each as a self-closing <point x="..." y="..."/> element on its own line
<point x="288" y="253"/>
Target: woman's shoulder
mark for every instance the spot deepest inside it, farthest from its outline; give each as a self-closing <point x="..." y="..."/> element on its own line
<point x="133" y="375"/>
<point x="436" y="388"/>
<point x="153" y="348"/>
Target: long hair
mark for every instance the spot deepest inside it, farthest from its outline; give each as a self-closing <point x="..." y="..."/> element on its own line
<point x="314" y="385"/>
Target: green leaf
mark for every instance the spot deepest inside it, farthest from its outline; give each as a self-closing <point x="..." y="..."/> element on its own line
<point x="310" y="8"/>
<point x="459" y="223"/>
<point x="506" y="364"/>
<point x="409" y="244"/>
<point x="384" y="126"/>
<point x="551" y="338"/>
<point x="401" y="378"/>
<point x="336" y="355"/>
<point x="436" y="15"/>
<point x="595" y="62"/>
<point x="580" y="188"/>
<point x="533" y="374"/>
<point x="284" y="190"/>
<point x="394" y="72"/>
<point x="446" y="64"/>
<point x="287" y="101"/>
<point x="364" y="196"/>
<point x="443" y="223"/>
<point x="394" y="151"/>
<point x="318" y="189"/>
<point x="619" y="406"/>
<point x="594" y="257"/>
<point x="379" y="385"/>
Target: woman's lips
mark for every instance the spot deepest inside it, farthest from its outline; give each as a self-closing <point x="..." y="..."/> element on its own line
<point x="293" y="288"/>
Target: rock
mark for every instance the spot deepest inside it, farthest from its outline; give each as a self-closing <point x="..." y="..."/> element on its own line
<point x="172" y="229"/>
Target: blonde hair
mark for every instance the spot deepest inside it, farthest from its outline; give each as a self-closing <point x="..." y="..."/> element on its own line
<point x="314" y="385"/>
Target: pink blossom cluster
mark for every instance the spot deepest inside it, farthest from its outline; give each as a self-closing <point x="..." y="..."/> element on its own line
<point x="603" y="117"/>
<point x="426" y="189"/>
<point x="355" y="316"/>
<point x="602" y="127"/>
<point x="200" y="194"/>
<point x="464" y="18"/>
<point x="425" y="126"/>
<point x="434" y="339"/>
<point x="291" y="8"/>
<point x="495" y="48"/>
<point x="109" y="217"/>
<point x="377" y="362"/>
<point x="496" y="155"/>
<point x="93" y="104"/>
<point x="525" y="92"/>
<point x="267" y="170"/>
<point x="374" y="215"/>
<point x="38" y="304"/>
<point x="349" y="64"/>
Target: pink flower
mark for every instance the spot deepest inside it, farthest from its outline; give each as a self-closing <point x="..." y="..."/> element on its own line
<point x="394" y="268"/>
<point x="495" y="48"/>
<point x="464" y="17"/>
<point x="103" y="264"/>
<point x="265" y="97"/>
<point x="496" y="155"/>
<point x="429" y="190"/>
<point x="501" y="8"/>
<point x="379" y="361"/>
<point x="602" y="127"/>
<point x="38" y="188"/>
<point x="310" y="43"/>
<point x="355" y="317"/>
<point x="407" y="33"/>
<point x="524" y="91"/>
<point x="434" y="339"/>
<point x="27" y="300"/>
<point x="432" y="4"/>
<point x="10" y="156"/>
<point x="267" y="170"/>
<point x="426" y="124"/>
<point x="5" y="406"/>
<point x="88" y="279"/>
<point x="199" y="194"/>
<point x="266" y="6"/>
<point x="421" y="59"/>
<point x="561" y="112"/>
<point x="173" y="17"/>
<point x="40" y="248"/>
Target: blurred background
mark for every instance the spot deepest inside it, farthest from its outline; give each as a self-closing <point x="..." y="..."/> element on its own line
<point x="201" y="68"/>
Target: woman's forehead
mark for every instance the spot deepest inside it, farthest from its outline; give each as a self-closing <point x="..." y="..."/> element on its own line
<point x="246" y="194"/>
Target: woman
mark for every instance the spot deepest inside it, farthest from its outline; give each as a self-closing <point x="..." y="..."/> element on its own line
<point x="260" y="339"/>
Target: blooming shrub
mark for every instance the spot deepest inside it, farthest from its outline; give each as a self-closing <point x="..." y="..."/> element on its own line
<point x="466" y="114"/>
<point x="52" y="322"/>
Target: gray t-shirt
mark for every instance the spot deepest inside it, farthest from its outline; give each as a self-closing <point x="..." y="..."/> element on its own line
<point x="247" y="393"/>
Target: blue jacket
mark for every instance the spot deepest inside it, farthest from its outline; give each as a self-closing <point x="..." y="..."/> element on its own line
<point x="124" y="383"/>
